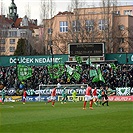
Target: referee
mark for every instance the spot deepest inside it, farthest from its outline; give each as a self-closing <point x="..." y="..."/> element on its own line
<point x="106" y="96"/>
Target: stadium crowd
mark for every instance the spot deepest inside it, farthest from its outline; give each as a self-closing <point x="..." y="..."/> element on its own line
<point x="120" y="76"/>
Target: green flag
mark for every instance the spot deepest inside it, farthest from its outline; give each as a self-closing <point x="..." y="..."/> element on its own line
<point x="113" y="66"/>
<point x="98" y="77"/>
<point x="24" y="72"/>
<point x="78" y="69"/>
<point x="93" y="73"/>
<point x="78" y="59"/>
<point x="95" y="79"/>
<point x="76" y="76"/>
<point x="88" y="62"/>
<point x="69" y="69"/>
<point x="56" y="70"/>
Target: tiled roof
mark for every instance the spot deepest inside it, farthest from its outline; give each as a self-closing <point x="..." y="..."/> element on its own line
<point x="17" y="23"/>
<point x="5" y="20"/>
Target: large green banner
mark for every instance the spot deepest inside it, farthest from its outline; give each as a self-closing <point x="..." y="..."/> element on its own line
<point x="121" y="58"/>
<point x="32" y="60"/>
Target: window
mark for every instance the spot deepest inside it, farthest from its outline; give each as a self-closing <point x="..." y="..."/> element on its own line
<point x="50" y="31"/>
<point x="10" y="10"/>
<point x="76" y="25"/>
<point x="23" y="34"/>
<point x="120" y="49"/>
<point x="4" y="33"/>
<point x="2" y="41"/>
<point x="117" y="12"/>
<point x="12" y="41"/>
<point x="127" y="12"/>
<point x="121" y="27"/>
<point x="92" y="12"/>
<point x="15" y="11"/>
<point x="121" y="40"/>
<point x="12" y="33"/>
<point x="37" y="37"/>
<point x="89" y="24"/>
<point x="12" y="49"/>
<point x="103" y="24"/>
<point x="2" y="49"/>
<point x="63" y="26"/>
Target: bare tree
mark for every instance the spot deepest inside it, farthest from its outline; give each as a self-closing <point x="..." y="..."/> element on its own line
<point x="73" y="33"/>
<point x="28" y="38"/>
<point x="31" y="39"/>
<point x="107" y="21"/>
<point x="47" y="14"/>
<point x="112" y="34"/>
<point x="44" y="16"/>
<point x="82" y="27"/>
<point x="28" y="10"/>
<point x="129" y="40"/>
<point x="88" y="25"/>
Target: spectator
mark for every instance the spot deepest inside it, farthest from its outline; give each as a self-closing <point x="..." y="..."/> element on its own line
<point x="121" y="77"/>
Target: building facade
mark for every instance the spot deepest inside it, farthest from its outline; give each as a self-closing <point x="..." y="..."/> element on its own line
<point x="13" y="28"/>
<point x="112" y="25"/>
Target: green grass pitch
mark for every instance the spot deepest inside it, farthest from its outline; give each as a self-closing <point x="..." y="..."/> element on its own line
<point x="38" y="117"/>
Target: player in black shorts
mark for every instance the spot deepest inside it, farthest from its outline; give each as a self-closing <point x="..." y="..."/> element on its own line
<point x="106" y="96"/>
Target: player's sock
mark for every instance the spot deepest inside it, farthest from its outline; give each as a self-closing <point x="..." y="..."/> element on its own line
<point x="107" y="103"/>
<point x="103" y="103"/>
<point x="95" y="103"/>
<point x="91" y="102"/>
<point x="63" y="100"/>
<point x="75" y="100"/>
<point x="23" y="101"/>
<point x="84" y="104"/>
<point x="53" y="103"/>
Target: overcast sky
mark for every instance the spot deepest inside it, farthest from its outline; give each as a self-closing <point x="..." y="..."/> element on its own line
<point x="34" y="6"/>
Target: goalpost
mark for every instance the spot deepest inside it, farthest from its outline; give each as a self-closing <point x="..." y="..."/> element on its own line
<point x="45" y="91"/>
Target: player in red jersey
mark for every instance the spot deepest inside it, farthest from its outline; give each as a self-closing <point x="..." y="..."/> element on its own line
<point x="53" y="97"/>
<point x="88" y="97"/>
<point x="24" y="96"/>
<point x="94" y="93"/>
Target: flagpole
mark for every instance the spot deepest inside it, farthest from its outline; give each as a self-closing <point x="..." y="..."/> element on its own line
<point x="17" y="62"/>
<point x="51" y="49"/>
<point x="52" y="66"/>
<point x="89" y="65"/>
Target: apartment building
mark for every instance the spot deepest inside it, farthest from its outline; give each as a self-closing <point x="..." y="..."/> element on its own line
<point x="112" y="25"/>
<point x="12" y="28"/>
